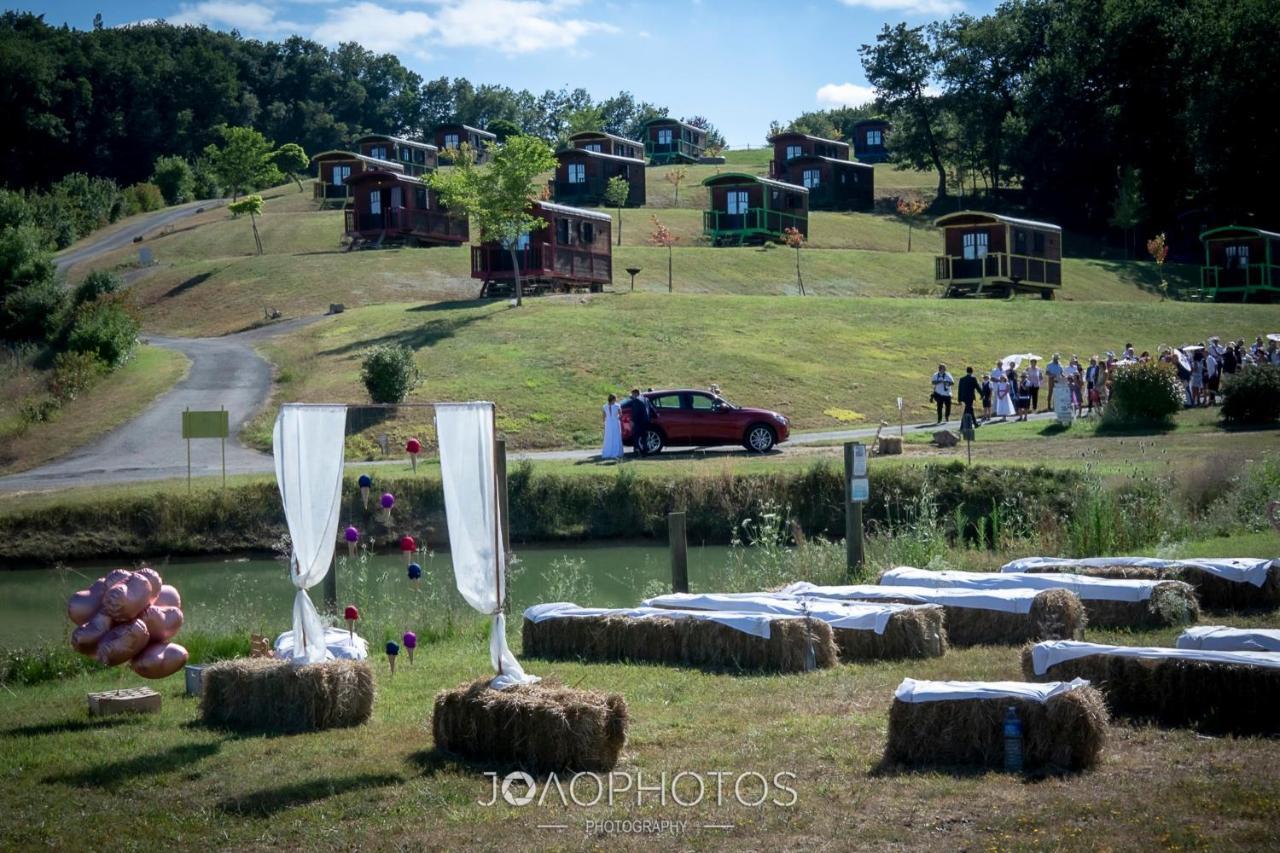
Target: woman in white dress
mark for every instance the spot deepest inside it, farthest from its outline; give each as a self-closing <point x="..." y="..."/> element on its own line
<point x="612" y="430"/>
<point x="1004" y="398"/>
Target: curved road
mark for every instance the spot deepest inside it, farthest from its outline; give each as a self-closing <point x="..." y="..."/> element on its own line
<point x="145" y="224"/>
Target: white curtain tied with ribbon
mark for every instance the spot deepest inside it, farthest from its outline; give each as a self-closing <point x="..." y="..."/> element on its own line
<point x="308" y="447"/>
<point x="465" y="432"/>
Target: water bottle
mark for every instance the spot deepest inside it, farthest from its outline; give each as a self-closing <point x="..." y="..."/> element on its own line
<point x="1012" y="741"/>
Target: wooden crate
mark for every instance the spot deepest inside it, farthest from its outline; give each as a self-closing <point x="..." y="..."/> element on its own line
<point x="142" y="700"/>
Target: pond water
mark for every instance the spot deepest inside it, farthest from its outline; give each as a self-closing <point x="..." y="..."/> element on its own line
<point x="254" y="594"/>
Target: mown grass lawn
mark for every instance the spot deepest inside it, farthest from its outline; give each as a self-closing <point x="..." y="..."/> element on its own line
<point x="110" y="403"/>
<point x="550" y="365"/>
<point x="166" y="781"/>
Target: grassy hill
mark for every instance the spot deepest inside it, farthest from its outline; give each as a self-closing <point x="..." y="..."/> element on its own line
<point x="550" y="365"/>
<point x="207" y="281"/>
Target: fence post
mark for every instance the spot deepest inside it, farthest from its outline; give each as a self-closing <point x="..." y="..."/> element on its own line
<point x="854" y="551"/>
<point x="679" y="552"/>
<point x="500" y="466"/>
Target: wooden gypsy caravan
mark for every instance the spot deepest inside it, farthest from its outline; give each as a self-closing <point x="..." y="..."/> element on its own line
<point x="335" y="168"/>
<point x="394" y="207"/>
<point x="454" y="136"/>
<point x="417" y="158"/>
<point x="669" y="140"/>
<point x="822" y="166"/>
<point x="744" y="208"/>
<point x="870" y="140"/>
<point x="583" y="174"/>
<point x="1240" y="264"/>
<point x="573" y="250"/>
<point x="995" y="255"/>
<point x="607" y="143"/>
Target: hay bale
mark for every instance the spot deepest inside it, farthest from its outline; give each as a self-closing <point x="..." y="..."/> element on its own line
<point x="681" y="642"/>
<point x="1172" y="603"/>
<point x="1215" y="697"/>
<point x="1218" y="593"/>
<point x="890" y="445"/>
<point x="915" y="632"/>
<point x="1140" y="573"/>
<point x="1065" y="733"/>
<point x="1056" y="614"/>
<point x="540" y="728"/>
<point x="268" y="695"/>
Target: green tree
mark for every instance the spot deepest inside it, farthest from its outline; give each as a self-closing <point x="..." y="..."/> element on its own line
<point x="252" y="205"/>
<point x="496" y="198"/>
<point x="175" y="179"/>
<point x="901" y="65"/>
<point x="503" y="128"/>
<point x="241" y="161"/>
<point x="616" y="193"/>
<point x="389" y="373"/>
<point x="1128" y="210"/>
<point x="291" y="159"/>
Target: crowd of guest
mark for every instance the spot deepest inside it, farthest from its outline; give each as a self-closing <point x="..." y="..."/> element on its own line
<point x="1011" y="390"/>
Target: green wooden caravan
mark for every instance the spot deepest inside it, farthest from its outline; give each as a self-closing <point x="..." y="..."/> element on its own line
<point x="744" y="209"/>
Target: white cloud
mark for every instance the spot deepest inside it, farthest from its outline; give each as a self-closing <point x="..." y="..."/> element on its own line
<point x="507" y="26"/>
<point x="845" y="95"/>
<point x="250" y="18"/>
<point x="922" y="8"/>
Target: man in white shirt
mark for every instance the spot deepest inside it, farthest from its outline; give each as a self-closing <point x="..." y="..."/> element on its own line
<point x="1034" y="376"/>
<point x="942" y="382"/>
<point x="1054" y="373"/>
<point x="1211" y="375"/>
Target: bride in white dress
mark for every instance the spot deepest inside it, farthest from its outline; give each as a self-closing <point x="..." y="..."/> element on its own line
<point x="1004" y="398"/>
<point x="612" y="430"/>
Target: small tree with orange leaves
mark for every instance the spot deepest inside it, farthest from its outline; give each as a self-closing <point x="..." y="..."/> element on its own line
<point x="1158" y="248"/>
<point x="675" y="176"/>
<point x="795" y="240"/>
<point x="909" y="207"/>
<point x="662" y="236"/>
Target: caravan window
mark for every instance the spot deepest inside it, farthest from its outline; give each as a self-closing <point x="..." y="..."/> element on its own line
<point x="811" y="178"/>
<point x="664" y="136"/>
<point x="1237" y="257"/>
<point x="587" y="231"/>
<point x="340" y="174"/>
<point x="1037" y="242"/>
<point x="577" y="173"/>
<point x="736" y="202"/>
<point x="975" y="245"/>
<point x="451" y="140"/>
<point x="794" y="151"/>
<point x="562" y="231"/>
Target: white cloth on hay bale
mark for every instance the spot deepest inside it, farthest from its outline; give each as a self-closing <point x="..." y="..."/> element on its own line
<point x="1239" y="569"/>
<point x="339" y="644"/>
<point x="914" y="691"/>
<point x="1046" y="655"/>
<point x="1088" y="588"/>
<point x="1221" y="638"/>
<point x="465" y="432"/>
<point x="1004" y="600"/>
<point x="755" y="624"/>
<point x="853" y="615"/>
<point x="308" y="444"/>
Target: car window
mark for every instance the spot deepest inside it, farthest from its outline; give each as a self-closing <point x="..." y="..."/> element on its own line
<point x="667" y="401"/>
<point x="701" y="403"/>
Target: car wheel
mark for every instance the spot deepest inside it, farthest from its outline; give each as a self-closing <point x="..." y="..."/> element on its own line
<point x="651" y="442"/>
<point x="760" y="439"/>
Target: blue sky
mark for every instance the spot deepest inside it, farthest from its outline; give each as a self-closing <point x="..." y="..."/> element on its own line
<point x="741" y="64"/>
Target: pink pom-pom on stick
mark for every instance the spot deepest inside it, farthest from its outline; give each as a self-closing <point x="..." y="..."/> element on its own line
<point x="410" y="641"/>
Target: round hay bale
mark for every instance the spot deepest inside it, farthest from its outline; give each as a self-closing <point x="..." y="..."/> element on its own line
<point x="1067" y="733"/>
<point x="917" y="632"/>
<point x="541" y="728"/>
<point x="1172" y="603"/>
<point x="269" y="695"/>
<point x="890" y="445"/>
<point x="1056" y="614"/>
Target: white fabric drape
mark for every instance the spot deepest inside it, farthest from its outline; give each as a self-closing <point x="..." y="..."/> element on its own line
<point x="308" y="447"/>
<point x="465" y="432"/>
<point x="914" y="691"/>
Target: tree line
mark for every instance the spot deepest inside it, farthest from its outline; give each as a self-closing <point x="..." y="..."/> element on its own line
<point x="110" y="102"/>
<point x="1102" y="111"/>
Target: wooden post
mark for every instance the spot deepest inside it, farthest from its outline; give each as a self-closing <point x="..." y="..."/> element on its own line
<point x="854" y="550"/>
<point x="679" y="552"/>
<point x="499" y="570"/>
<point x="224" y="458"/>
<point x="331" y="587"/>
<point x="500" y="468"/>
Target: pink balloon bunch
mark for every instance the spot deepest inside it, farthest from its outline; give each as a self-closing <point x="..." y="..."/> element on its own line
<point x="129" y="616"/>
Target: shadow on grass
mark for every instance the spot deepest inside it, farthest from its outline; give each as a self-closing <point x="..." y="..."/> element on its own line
<point x="455" y="305"/>
<point x="189" y="284"/>
<point x="1112" y="429"/>
<point x="270" y="801"/>
<point x="889" y="769"/>
<point x="434" y="761"/>
<point x="419" y="337"/>
<point x="113" y="773"/>
<point x="70" y="726"/>
<point x="686" y="455"/>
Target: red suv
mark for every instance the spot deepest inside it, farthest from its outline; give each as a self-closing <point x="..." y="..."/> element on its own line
<point x="702" y="419"/>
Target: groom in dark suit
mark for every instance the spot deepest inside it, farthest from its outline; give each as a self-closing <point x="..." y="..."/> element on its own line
<point x="641" y="414"/>
<point x="967" y="393"/>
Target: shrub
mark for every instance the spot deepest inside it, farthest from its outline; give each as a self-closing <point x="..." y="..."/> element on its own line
<point x="204" y="181"/>
<point x="1144" y="394"/>
<point x="34" y="312"/>
<point x="74" y="373"/>
<point x="95" y="284"/>
<point x="389" y="373"/>
<point x="23" y="259"/>
<point x="175" y="178"/>
<point x="1252" y="396"/>
<point x="142" y="198"/>
<point x="91" y="202"/>
<point x="106" y="328"/>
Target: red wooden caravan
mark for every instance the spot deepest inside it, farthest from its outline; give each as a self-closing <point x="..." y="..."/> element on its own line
<point x="822" y="166"/>
<point x="335" y="168"/>
<point x="607" y="143"/>
<point x="583" y="174"/>
<point x="389" y="206"/>
<point x="417" y="158"/>
<point x="870" y="140"/>
<point x="987" y="253"/>
<point x="573" y="250"/>
<point x="453" y="136"/>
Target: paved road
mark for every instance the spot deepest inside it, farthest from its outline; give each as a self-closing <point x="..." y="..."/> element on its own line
<point x="225" y="372"/>
<point x="141" y="225"/>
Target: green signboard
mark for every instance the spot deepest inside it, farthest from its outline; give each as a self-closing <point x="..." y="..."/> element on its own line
<point x="205" y="424"/>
